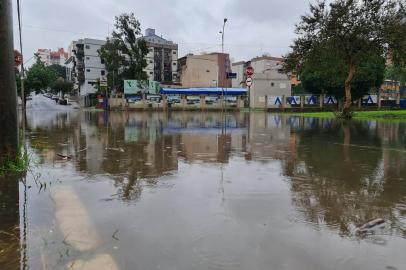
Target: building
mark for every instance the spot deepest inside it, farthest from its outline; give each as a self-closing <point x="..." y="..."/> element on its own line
<point x="85" y="67"/>
<point x="267" y="79"/>
<point x="207" y="70"/>
<point x="162" y="59"/>
<point x="49" y="57"/>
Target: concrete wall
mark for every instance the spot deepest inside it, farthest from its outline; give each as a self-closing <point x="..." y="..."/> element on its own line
<point x="199" y="71"/>
<point x="270" y="83"/>
<point x="239" y="69"/>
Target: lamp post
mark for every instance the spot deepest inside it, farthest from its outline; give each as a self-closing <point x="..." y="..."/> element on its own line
<point x="222" y="51"/>
<point x="222" y="36"/>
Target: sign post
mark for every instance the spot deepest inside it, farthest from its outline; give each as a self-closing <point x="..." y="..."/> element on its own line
<point x="249" y="72"/>
<point x="103" y="84"/>
<point x="248" y="82"/>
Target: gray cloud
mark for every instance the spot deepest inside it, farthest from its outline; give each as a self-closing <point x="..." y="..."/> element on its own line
<point x="254" y="27"/>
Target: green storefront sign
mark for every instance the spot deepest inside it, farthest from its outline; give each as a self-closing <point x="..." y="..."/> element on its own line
<point x="135" y="87"/>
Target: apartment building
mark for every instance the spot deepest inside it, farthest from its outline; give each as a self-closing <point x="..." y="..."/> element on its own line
<point x="207" y="70"/>
<point x="49" y="57"/>
<point x="162" y="59"/>
<point x="85" y="67"/>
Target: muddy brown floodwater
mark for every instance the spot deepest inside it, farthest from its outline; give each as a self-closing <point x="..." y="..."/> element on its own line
<point x="205" y="191"/>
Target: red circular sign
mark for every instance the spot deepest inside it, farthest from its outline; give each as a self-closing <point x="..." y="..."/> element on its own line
<point x="18" y="58"/>
<point x="250" y="71"/>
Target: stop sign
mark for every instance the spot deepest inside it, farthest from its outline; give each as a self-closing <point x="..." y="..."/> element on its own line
<point x="249" y="71"/>
<point x="18" y="58"/>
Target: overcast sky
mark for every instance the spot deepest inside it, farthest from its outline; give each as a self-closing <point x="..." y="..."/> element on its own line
<point x="254" y="27"/>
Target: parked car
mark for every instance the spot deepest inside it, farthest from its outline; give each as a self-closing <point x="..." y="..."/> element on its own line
<point x="133" y="99"/>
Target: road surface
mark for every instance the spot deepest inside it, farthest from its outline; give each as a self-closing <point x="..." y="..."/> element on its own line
<point x="39" y="102"/>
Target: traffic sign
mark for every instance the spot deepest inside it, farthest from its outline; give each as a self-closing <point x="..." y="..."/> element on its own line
<point x="248" y="82"/>
<point x="249" y="71"/>
<point x="18" y="58"/>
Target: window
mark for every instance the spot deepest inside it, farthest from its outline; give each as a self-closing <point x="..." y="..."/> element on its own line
<point x="103" y="72"/>
<point x="87" y="46"/>
<point x="102" y="61"/>
<point x="87" y="70"/>
<point x="174" y="64"/>
<point x="174" y="52"/>
<point x="87" y="58"/>
<point x="150" y="61"/>
<point x="151" y="72"/>
<point x="272" y="84"/>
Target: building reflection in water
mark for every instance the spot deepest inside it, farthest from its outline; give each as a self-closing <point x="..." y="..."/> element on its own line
<point x="340" y="174"/>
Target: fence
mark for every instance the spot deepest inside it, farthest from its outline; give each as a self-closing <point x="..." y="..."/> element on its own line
<point x="325" y="102"/>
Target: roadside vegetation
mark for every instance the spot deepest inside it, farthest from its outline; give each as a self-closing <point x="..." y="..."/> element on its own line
<point x="19" y="165"/>
<point x="367" y="115"/>
<point x="343" y="46"/>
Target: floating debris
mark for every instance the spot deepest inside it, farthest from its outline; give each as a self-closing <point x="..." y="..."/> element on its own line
<point x="116" y="149"/>
<point x="64" y="157"/>
<point x="378" y="223"/>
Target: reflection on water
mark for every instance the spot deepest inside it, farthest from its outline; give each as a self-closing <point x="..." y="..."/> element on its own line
<point x="211" y="191"/>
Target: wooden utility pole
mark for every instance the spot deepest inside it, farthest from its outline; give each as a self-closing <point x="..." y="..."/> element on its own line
<point x="8" y="94"/>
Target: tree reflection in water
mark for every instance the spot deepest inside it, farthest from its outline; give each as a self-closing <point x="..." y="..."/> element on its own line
<point x="339" y="175"/>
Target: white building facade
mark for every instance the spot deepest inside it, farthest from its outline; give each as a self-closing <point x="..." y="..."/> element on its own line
<point x="49" y="57"/>
<point x="85" y="67"/>
<point x="162" y="59"/>
<point x="268" y="81"/>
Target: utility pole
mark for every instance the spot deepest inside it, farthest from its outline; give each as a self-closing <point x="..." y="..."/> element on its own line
<point x="8" y="97"/>
<point x="22" y="62"/>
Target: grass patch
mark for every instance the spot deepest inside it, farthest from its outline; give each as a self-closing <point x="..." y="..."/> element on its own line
<point x="396" y="115"/>
<point x="367" y="115"/>
<point x="18" y="166"/>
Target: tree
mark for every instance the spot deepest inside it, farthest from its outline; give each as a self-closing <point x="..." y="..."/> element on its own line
<point x="125" y="51"/>
<point x="343" y="35"/>
<point x="62" y="86"/>
<point x="396" y="74"/>
<point x="59" y="70"/>
<point x="318" y="79"/>
<point x="39" y="77"/>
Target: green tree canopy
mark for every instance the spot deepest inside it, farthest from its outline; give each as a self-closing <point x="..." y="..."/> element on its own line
<point x="59" y="70"/>
<point x="60" y="85"/>
<point x="125" y="51"/>
<point x="348" y="38"/>
<point x="321" y="78"/>
<point x="39" y="77"/>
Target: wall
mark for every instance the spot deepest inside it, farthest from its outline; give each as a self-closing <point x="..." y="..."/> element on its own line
<point x="199" y="71"/>
<point x="239" y="69"/>
<point x="270" y="83"/>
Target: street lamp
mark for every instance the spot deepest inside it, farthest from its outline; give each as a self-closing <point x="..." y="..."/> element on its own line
<point x="222" y="35"/>
<point x="222" y="51"/>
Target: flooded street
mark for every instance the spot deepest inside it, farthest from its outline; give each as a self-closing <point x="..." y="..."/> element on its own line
<point x="190" y="190"/>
